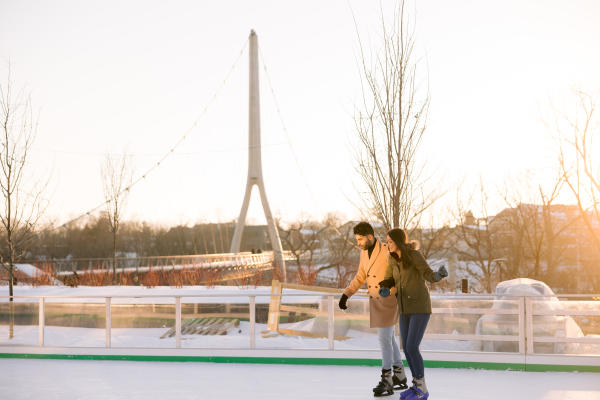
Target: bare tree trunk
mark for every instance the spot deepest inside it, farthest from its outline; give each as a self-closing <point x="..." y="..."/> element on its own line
<point x="475" y="243"/>
<point x="22" y="206"/>
<point x="114" y="254"/>
<point x="390" y="126"/>
<point x="579" y="164"/>
<point x="222" y="247"/>
<point x="214" y="239"/>
<point x="117" y="174"/>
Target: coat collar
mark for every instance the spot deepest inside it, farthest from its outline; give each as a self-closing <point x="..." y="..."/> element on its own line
<point x="376" y="252"/>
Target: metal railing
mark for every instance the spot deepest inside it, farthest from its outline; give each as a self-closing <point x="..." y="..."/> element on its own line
<point x="139" y="264"/>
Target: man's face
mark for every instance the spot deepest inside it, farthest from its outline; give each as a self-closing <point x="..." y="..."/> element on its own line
<point x="364" y="242"/>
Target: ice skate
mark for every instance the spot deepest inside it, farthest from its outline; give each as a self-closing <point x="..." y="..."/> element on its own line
<point x="418" y="391"/>
<point x="385" y="387"/>
<point x="399" y="378"/>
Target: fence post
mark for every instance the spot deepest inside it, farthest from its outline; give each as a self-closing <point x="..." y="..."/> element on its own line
<point x="529" y="324"/>
<point x="330" y="321"/>
<point x="178" y="322"/>
<point x="522" y="333"/>
<point x="41" y="322"/>
<point x="274" y="304"/>
<point x="252" y="304"/>
<point x="108" y="320"/>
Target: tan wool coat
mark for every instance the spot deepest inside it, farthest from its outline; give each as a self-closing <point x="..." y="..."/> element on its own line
<point x="383" y="311"/>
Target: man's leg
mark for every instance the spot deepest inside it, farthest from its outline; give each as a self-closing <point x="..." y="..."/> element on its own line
<point x="399" y="376"/>
<point x="385" y="344"/>
<point x="386" y="385"/>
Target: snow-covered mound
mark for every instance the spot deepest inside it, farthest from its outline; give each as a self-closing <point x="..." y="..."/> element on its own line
<point x="34" y="272"/>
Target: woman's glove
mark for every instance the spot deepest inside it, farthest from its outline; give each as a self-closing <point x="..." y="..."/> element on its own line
<point x="440" y="274"/>
<point x="387" y="283"/>
<point x="342" y="302"/>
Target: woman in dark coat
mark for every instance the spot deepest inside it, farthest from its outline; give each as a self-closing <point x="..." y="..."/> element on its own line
<point x="407" y="271"/>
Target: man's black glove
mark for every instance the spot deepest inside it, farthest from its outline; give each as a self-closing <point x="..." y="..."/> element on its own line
<point x="388" y="283"/>
<point x="342" y="302"/>
<point x="440" y="274"/>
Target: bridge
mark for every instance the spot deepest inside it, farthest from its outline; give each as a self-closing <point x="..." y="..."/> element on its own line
<point x="164" y="270"/>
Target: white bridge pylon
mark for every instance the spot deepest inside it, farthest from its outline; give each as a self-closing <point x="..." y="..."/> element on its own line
<point x="255" y="176"/>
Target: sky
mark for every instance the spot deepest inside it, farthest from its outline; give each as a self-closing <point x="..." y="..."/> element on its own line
<point x="135" y="76"/>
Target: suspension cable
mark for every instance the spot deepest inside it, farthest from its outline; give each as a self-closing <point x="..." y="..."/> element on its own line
<point x="168" y="153"/>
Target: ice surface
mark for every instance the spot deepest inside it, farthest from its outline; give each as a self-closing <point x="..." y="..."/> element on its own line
<point x="22" y="379"/>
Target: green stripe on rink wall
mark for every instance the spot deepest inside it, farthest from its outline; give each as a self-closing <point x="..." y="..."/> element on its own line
<point x="311" y="361"/>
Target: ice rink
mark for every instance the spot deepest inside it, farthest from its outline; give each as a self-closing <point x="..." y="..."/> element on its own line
<point x="100" y="380"/>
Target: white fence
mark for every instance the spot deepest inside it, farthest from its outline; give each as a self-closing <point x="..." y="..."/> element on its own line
<point x="530" y="326"/>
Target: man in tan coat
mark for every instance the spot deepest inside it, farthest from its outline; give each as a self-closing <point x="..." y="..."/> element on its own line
<point x="383" y="311"/>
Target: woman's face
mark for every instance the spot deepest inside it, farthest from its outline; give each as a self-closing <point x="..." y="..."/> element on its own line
<point x="391" y="245"/>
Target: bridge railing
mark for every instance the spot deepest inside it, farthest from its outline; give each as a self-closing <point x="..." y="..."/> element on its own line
<point x="129" y="264"/>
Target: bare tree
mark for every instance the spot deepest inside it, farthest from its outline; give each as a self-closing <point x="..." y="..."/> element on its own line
<point x="117" y="174"/>
<point x="540" y="226"/>
<point x="23" y="206"/>
<point x="578" y="162"/>
<point x="474" y="243"/>
<point x="304" y="240"/>
<point x="390" y="125"/>
<point x="581" y="168"/>
<point x="433" y="241"/>
<point x="344" y="254"/>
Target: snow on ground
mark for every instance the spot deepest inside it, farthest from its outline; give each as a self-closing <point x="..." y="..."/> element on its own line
<point x="34" y="272"/>
<point x="22" y="379"/>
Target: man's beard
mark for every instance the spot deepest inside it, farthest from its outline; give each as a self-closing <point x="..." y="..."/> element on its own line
<point x="368" y="244"/>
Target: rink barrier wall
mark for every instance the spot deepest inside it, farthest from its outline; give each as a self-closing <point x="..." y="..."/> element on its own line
<point x="433" y="359"/>
<point x="525" y="360"/>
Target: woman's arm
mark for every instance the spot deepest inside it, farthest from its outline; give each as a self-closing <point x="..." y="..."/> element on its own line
<point x="389" y="272"/>
<point x="422" y="266"/>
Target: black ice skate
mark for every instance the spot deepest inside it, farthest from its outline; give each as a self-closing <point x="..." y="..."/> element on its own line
<point x="385" y="387"/>
<point x="399" y="378"/>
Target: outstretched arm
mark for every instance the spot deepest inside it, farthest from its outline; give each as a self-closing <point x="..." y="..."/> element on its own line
<point x="422" y="266"/>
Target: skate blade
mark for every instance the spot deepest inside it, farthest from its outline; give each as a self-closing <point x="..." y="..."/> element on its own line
<point x="389" y="393"/>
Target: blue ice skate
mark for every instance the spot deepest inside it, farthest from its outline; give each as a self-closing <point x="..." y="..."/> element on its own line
<point x="416" y="394"/>
<point x="405" y="393"/>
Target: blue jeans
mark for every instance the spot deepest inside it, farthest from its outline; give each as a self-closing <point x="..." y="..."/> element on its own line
<point x="390" y="352"/>
<point x="412" y="329"/>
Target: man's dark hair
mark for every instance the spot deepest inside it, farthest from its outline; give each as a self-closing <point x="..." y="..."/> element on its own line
<point x="363" y="229"/>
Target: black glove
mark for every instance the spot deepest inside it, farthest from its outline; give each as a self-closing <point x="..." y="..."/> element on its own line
<point x="388" y="283"/>
<point x="342" y="302"/>
<point x="440" y="274"/>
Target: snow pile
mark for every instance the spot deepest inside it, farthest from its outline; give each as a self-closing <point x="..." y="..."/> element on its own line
<point x="34" y="272"/>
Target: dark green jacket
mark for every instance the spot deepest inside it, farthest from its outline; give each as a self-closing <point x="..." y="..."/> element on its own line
<point x="412" y="292"/>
